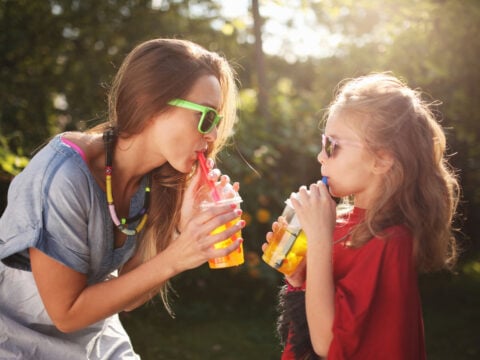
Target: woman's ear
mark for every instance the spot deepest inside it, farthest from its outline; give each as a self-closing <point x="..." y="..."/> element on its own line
<point x="383" y="162"/>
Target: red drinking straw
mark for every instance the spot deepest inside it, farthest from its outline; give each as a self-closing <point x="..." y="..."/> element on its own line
<point x="211" y="184"/>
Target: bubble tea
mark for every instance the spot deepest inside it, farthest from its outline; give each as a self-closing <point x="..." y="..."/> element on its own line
<point x="288" y="245"/>
<point x="216" y="198"/>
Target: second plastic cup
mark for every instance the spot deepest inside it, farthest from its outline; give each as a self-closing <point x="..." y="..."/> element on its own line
<point x="236" y="257"/>
<point x="288" y="244"/>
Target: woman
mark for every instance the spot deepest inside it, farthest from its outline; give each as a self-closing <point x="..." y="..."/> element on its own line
<point x="115" y="197"/>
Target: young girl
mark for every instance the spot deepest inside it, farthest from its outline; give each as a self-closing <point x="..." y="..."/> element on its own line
<point x="115" y="197"/>
<point x="357" y="297"/>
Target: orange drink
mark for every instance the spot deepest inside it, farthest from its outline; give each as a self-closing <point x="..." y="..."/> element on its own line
<point x="235" y="258"/>
<point x="286" y="250"/>
<point x="288" y="244"/>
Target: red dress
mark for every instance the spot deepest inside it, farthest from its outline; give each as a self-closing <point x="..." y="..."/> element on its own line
<point x="378" y="312"/>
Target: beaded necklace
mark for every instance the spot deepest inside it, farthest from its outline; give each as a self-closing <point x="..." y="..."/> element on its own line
<point x="122" y="224"/>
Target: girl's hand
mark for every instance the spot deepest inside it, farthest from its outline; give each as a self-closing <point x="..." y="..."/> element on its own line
<point x="268" y="237"/>
<point x="297" y="279"/>
<point x="276" y="225"/>
<point x="316" y="211"/>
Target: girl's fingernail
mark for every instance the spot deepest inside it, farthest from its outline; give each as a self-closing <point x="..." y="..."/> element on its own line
<point x="241" y="223"/>
<point x="238" y="212"/>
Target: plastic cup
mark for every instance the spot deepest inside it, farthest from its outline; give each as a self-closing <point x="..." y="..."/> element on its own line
<point x="236" y="257"/>
<point x="288" y="245"/>
<point x="215" y="198"/>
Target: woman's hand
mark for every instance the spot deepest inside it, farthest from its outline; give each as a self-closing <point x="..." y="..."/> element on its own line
<point x="195" y="245"/>
<point x="222" y="182"/>
<point x="225" y="188"/>
<point x="197" y="191"/>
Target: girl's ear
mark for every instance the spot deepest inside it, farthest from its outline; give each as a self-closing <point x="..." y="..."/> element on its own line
<point x="383" y="162"/>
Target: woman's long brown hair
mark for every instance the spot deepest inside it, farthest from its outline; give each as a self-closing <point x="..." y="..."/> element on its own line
<point x="154" y="73"/>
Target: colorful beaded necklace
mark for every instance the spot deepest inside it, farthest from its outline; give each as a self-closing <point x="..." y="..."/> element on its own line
<point x="122" y="224"/>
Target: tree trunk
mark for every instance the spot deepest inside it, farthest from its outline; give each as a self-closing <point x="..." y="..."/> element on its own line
<point x="260" y="62"/>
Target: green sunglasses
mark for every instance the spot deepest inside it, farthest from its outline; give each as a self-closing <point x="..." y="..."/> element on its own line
<point x="209" y="118"/>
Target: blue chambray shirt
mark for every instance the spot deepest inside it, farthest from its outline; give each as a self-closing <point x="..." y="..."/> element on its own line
<point x="56" y="206"/>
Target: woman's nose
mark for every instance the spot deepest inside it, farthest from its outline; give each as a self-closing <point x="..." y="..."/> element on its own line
<point x="212" y="135"/>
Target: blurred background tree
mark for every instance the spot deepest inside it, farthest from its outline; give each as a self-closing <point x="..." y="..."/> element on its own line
<point x="59" y="56"/>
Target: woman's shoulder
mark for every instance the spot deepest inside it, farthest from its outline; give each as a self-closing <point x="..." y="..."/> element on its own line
<point x="53" y="169"/>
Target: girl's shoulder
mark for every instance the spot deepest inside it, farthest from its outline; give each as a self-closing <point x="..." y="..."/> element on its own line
<point x="397" y="233"/>
<point x="396" y="239"/>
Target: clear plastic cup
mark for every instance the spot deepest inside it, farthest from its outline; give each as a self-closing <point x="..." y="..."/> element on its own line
<point x="236" y="257"/>
<point x="214" y="197"/>
<point x="288" y="245"/>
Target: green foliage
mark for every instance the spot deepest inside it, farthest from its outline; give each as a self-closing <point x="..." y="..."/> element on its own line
<point x="69" y="50"/>
<point x="11" y="162"/>
<point x="59" y="56"/>
<point x="419" y="41"/>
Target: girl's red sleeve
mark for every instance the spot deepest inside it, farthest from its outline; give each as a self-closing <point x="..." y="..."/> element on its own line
<point x="377" y="304"/>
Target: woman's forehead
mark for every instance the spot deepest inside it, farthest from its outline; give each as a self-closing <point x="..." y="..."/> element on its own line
<point x="206" y="91"/>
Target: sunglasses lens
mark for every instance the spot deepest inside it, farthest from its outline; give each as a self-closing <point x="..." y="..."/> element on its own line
<point x="328" y="145"/>
<point x="208" y="121"/>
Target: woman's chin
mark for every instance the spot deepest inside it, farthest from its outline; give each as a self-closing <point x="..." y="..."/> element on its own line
<point x="185" y="168"/>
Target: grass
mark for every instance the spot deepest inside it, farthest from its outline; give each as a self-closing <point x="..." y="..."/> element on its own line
<point x="451" y="316"/>
<point x="224" y="316"/>
<point x="220" y="315"/>
<point x="218" y="337"/>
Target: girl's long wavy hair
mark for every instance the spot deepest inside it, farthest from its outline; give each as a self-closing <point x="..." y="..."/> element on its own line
<point x="420" y="190"/>
<point x="152" y="74"/>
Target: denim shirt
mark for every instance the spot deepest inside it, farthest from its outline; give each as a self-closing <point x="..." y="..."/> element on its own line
<point x="56" y="206"/>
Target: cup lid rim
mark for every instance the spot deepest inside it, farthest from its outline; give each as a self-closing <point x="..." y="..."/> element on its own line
<point x="208" y="204"/>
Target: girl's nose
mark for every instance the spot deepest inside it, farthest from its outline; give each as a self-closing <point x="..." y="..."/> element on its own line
<point x="322" y="156"/>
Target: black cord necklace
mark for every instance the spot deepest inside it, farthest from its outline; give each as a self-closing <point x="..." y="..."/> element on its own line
<point x="122" y="224"/>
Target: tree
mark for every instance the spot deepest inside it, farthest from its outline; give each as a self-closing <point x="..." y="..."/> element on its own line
<point x="260" y="61"/>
